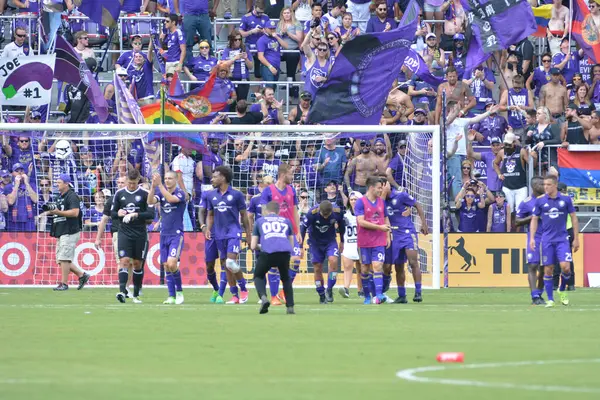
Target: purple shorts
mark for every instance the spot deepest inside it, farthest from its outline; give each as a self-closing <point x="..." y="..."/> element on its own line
<point x="533" y="257"/>
<point x="210" y="250"/>
<point x="406" y="240"/>
<point x="225" y="246"/>
<point x="170" y="246"/>
<point x="395" y="255"/>
<point x="318" y="253"/>
<point x="296" y="249"/>
<point x="558" y="251"/>
<point x="369" y="255"/>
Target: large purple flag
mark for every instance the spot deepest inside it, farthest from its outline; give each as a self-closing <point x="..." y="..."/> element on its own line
<point x="495" y="25"/>
<point x="418" y="66"/>
<point x="71" y="69"/>
<point x="104" y="12"/>
<point x="361" y="78"/>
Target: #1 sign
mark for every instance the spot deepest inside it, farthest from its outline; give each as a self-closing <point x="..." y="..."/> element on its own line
<point x="26" y="81"/>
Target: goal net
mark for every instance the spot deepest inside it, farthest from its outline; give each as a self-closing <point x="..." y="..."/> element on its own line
<point x="95" y="156"/>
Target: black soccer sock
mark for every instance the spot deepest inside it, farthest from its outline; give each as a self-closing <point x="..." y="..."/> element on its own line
<point x="162" y="272"/>
<point x="260" y="283"/>
<point x="288" y="290"/>
<point x="138" y="278"/>
<point x="123" y="275"/>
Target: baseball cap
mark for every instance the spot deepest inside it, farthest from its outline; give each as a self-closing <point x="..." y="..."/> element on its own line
<point x="490" y="102"/>
<point x="18" y="166"/>
<point x="4" y="173"/>
<point x="510" y="138"/>
<point x="572" y="106"/>
<point x="459" y="36"/>
<point x="430" y="35"/>
<point x="379" y="140"/>
<point x="332" y="182"/>
<point x="66" y="178"/>
<point x="554" y="71"/>
<point x="402" y="143"/>
<point x="356" y="194"/>
<point x="271" y="24"/>
<point x="36" y="114"/>
<point x="107" y="192"/>
<point x="421" y="111"/>
<point x="495" y="139"/>
<point x="84" y="149"/>
<point x="500" y="193"/>
<point x="121" y="71"/>
<point x="348" y="145"/>
<point x="306" y="96"/>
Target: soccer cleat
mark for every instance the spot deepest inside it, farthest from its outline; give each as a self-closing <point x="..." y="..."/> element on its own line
<point x="388" y="299"/>
<point x="234" y="300"/>
<point x="275" y="301"/>
<point x="213" y="298"/>
<point x="322" y="299"/>
<point x="127" y="296"/>
<point x="83" y="280"/>
<point x="401" y="300"/>
<point x="169" y="300"/>
<point x="243" y="297"/>
<point x="367" y="300"/>
<point x="137" y="300"/>
<point x="61" y="287"/>
<point x="179" y="298"/>
<point x="564" y="297"/>
<point x="121" y="297"/>
<point x="329" y="295"/>
<point x="418" y="298"/>
<point x="570" y="288"/>
<point x="361" y="293"/>
<point x="290" y="310"/>
<point x="376" y="300"/>
<point x="344" y="292"/>
<point x="264" y="307"/>
<point x="281" y="296"/>
<point x="536" y="301"/>
<point x="550" y="304"/>
<point x="219" y="300"/>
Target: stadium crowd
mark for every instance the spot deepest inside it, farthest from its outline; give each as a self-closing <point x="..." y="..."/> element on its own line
<point x="505" y="114"/>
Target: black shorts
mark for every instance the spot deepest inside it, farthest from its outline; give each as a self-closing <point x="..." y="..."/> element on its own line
<point x="132" y="247"/>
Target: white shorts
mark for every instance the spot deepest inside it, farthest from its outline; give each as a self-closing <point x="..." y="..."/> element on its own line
<point x="351" y="251"/>
<point x="360" y="12"/>
<point x="65" y="247"/>
<point x="431" y="8"/>
<point x="514" y="197"/>
<point x="171" y="66"/>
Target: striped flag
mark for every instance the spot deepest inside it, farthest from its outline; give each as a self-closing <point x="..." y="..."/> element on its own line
<point x="127" y="108"/>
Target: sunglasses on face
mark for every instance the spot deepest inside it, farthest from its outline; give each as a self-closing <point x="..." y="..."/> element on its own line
<point x="24" y="141"/>
<point x="83" y="38"/>
<point x="470" y="196"/>
<point x="365" y="145"/>
<point x="330" y="38"/>
<point x="44" y="184"/>
<point x="382" y="9"/>
<point x="304" y="197"/>
<point x="137" y="43"/>
<point x="20" y="36"/>
<point x="237" y="39"/>
<point x="204" y="47"/>
<point x="322" y="49"/>
<point x="546" y="61"/>
<point x="467" y="168"/>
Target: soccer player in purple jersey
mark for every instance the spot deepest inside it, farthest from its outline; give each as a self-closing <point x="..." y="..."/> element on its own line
<point x="273" y="236"/>
<point x="322" y="222"/>
<point x="374" y="235"/>
<point x="226" y="207"/>
<point x="172" y="207"/>
<point x="523" y="218"/>
<point x="552" y="209"/>
<point x="404" y="238"/>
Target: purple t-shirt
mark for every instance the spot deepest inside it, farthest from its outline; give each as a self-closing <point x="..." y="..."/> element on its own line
<point x="492" y="126"/>
<point x="201" y="67"/>
<point x="174" y="40"/>
<point x="239" y="70"/>
<point x="395" y="205"/>
<point x="255" y="206"/>
<point x="126" y="59"/>
<point x="570" y="68"/>
<point x="271" y="49"/>
<point x="554" y="213"/>
<point x="493" y="182"/>
<point x="272" y="112"/>
<point x="397" y="167"/>
<point x="226" y="208"/>
<point x="321" y="230"/>
<point x="269" y="167"/>
<point x="171" y="213"/>
<point x="193" y="7"/>
<point x="213" y="160"/>
<point x="540" y="78"/>
<point x="249" y="22"/>
<point x="524" y="210"/>
<point x="468" y="217"/>
<point x="375" y="25"/>
<point x="482" y="94"/>
<point x="274" y="233"/>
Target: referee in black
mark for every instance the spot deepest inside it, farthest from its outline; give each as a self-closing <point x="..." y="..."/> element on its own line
<point x="130" y="208"/>
<point x="273" y="236"/>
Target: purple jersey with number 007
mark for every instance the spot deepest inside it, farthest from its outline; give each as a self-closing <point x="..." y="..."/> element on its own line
<point x="274" y="233"/>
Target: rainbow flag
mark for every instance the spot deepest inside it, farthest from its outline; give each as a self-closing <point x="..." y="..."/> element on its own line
<point x="580" y="171"/>
<point x="542" y="15"/>
<point x="585" y="31"/>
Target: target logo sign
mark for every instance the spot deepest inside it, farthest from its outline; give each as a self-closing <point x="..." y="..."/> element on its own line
<point x="153" y="259"/>
<point x="14" y="255"/>
<point x="89" y="259"/>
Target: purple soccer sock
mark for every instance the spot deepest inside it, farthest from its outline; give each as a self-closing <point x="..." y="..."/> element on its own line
<point x="371" y="284"/>
<point x="177" y="276"/>
<point x="378" y="281"/>
<point x="212" y="279"/>
<point x="401" y="291"/>
<point x="549" y="286"/>
<point x="294" y="269"/>
<point x="386" y="281"/>
<point x="273" y="281"/>
<point x="320" y="288"/>
<point x="331" y="280"/>
<point x="564" y="278"/>
<point x="418" y="287"/>
<point x="170" y="283"/>
<point x="365" y="282"/>
<point x="234" y="291"/>
<point x="222" y="283"/>
<point x="242" y="284"/>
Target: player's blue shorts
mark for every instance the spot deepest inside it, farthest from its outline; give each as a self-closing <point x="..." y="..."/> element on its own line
<point x="170" y="246"/>
<point x="557" y="251"/>
<point x="405" y="240"/>
<point x="533" y="256"/>
<point x="318" y="253"/>
<point x="395" y="255"/>
<point x="296" y="249"/>
<point x="231" y="245"/>
<point x="210" y="250"/>
<point x="369" y="255"/>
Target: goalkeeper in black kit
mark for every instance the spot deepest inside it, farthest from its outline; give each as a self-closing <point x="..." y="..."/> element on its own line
<point x="130" y="207"/>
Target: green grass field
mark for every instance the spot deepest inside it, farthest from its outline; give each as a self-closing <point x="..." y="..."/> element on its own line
<point x="85" y="344"/>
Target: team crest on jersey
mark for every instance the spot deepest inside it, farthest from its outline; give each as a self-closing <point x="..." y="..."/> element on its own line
<point x="561" y="203"/>
<point x="394" y="201"/>
<point x="138" y="198"/>
<point x="229" y="197"/>
<point x="121" y="253"/>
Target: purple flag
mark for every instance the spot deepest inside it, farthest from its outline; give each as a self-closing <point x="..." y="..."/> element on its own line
<point x="495" y="25"/>
<point x="156" y="46"/>
<point x="104" y="12"/>
<point x="71" y="69"/>
<point x="361" y="78"/>
<point x="418" y="66"/>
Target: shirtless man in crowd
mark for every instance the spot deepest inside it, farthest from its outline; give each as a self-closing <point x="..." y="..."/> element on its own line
<point x="365" y="165"/>
<point x="591" y="127"/>
<point x="558" y="26"/>
<point x="455" y="91"/>
<point x="383" y="153"/>
<point x="554" y="96"/>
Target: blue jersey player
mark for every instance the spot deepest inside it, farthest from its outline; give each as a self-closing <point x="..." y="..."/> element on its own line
<point x="552" y="209"/>
<point x="172" y="207"/>
<point x="405" y="244"/>
<point x="322" y="223"/>
<point x="524" y="216"/>
<point x="226" y="207"/>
